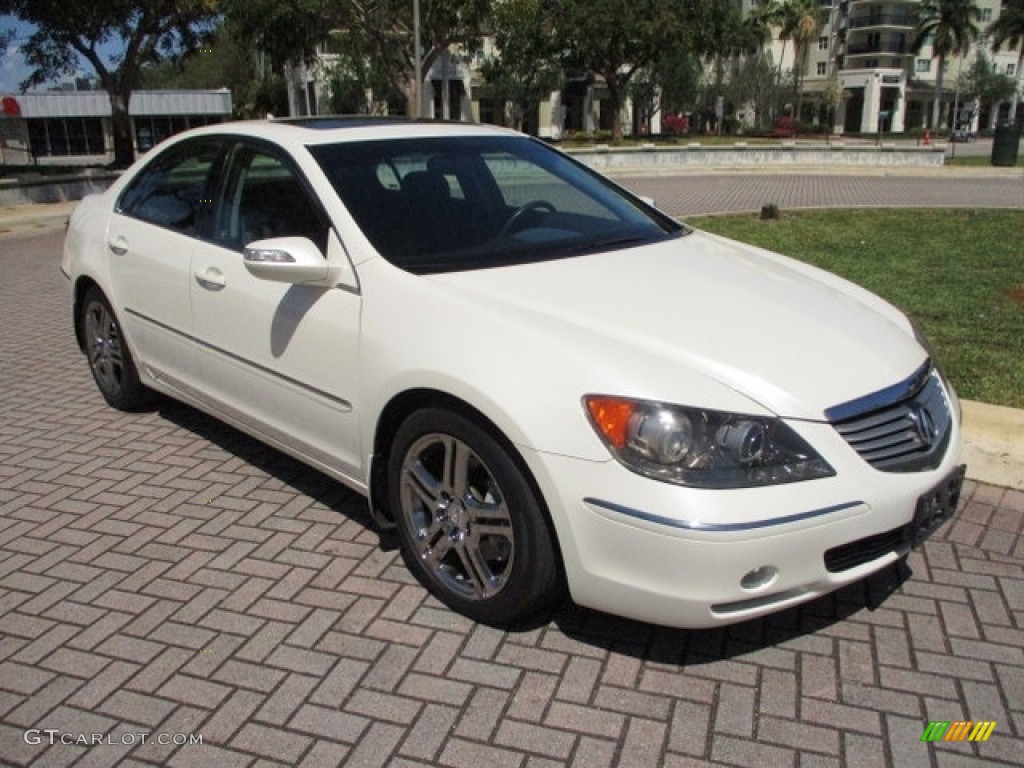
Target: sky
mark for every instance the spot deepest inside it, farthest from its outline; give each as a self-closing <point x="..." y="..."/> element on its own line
<point x="12" y="64"/>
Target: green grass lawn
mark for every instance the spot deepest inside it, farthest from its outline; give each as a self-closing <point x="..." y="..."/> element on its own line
<point x="958" y="273"/>
<point x="980" y="162"/>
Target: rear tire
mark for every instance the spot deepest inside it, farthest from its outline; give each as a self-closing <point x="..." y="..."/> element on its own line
<point x="470" y="525"/>
<point x="110" y="361"/>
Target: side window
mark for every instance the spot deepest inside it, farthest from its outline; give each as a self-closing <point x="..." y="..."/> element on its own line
<point x="263" y="197"/>
<point x="172" y="191"/>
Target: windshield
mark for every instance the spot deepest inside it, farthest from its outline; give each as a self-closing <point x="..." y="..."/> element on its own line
<point x="444" y="204"/>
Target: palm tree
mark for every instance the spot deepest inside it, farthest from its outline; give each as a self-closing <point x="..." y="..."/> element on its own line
<point x="951" y="26"/>
<point x="796" y="20"/>
<point x="1008" y="30"/>
<point x="800" y="22"/>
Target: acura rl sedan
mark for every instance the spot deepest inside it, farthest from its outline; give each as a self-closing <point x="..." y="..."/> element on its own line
<point x="544" y="384"/>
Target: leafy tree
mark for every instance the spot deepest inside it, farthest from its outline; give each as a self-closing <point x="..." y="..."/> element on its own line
<point x="524" y="71"/>
<point x="754" y="81"/>
<point x="832" y="97"/>
<point x="380" y="29"/>
<point x="721" y="36"/>
<point x="352" y="75"/>
<point x="387" y="30"/>
<point x="144" y="32"/>
<point x="1008" y="30"/>
<point x="677" y="72"/>
<point x="615" y="39"/>
<point x="670" y="85"/>
<point x="757" y="82"/>
<point x="284" y="32"/>
<point x="950" y="26"/>
<point x="226" y="62"/>
<point x="982" y="82"/>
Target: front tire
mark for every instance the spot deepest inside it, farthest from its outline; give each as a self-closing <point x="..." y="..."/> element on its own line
<point x="110" y="361"/>
<point x="470" y="525"/>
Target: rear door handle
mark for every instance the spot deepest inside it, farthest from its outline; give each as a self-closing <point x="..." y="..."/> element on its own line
<point x="119" y="246"/>
<point x="211" y="278"/>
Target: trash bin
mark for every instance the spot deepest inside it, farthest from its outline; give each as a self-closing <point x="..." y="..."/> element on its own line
<point x="1006" y="144"/>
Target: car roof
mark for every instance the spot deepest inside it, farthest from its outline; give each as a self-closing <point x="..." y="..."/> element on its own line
<point x="308" y="131"/>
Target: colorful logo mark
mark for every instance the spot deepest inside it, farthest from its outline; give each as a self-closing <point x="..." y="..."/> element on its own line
<point x="958" y="730"/>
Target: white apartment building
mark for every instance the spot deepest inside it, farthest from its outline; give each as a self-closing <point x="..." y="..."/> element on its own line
<point x="866" y="44"/>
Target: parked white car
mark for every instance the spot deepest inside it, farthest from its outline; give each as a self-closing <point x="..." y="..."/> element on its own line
<point x="538" y="378"/>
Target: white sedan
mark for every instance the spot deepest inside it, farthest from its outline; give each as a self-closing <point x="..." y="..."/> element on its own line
<point x="541" y="381"/>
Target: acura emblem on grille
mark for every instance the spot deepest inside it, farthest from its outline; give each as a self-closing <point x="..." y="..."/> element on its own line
<point x="924" y="424"/>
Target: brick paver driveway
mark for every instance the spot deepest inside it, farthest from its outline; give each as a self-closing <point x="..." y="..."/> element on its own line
<point x="693" y="194"/>
<point x="163" y="577"/>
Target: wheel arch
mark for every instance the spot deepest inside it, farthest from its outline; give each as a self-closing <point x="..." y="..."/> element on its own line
<point x="405" y="403"/>
<point x="82" y="286"/>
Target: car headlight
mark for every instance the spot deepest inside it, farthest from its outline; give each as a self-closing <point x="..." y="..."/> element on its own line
<point x="702" y="448"/>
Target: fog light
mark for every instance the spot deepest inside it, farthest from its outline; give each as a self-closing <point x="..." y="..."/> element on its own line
<point x="759" y="577"/>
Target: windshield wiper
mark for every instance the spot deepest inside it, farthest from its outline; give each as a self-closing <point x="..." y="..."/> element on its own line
<point x="608" y="243"/>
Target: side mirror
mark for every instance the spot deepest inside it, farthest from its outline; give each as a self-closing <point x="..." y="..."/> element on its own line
<point x="288" y="260"/>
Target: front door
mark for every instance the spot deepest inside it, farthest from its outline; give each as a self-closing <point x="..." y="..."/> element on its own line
<point x="281" y="358"/>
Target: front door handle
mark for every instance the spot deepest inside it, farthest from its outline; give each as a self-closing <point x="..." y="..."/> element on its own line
<point x="211" y="278"/>
<point x="119" y="246"/>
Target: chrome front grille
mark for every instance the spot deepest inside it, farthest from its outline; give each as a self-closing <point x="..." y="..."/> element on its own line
<point x="903" y="428"/>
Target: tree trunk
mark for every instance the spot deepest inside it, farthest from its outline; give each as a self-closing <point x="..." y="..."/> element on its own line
<point x="1016" y="93"/>
<point x="937" y="104"/>
<point x="409" y="91"/>
<point x="121" y="122"/>
<point x="799" y="54"/>
<point x="778" y="81"/>
<point x="616" y="105"/>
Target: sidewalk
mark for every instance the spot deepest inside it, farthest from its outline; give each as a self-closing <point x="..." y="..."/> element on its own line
<point x="993" y="435"/>
<point x="31" y="218"/>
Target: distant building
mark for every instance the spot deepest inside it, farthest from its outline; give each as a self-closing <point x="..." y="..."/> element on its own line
<point x="866" y="45"/>
<point x="858" y="76"/>
<point x="74" y="127"/>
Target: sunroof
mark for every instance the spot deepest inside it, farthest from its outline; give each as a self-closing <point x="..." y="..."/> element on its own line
<point x="331" y="122"/>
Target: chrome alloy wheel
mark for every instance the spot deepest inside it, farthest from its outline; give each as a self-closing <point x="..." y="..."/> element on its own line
<point x="458" y="517"/>
<point x="103" y="348"/>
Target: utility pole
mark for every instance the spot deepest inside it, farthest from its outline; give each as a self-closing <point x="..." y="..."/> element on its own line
<point x="418" y="56"/>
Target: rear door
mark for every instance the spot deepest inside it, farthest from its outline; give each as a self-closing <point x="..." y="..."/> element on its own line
<point x="150" y="240"/>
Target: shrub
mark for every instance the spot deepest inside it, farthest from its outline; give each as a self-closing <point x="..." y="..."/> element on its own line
<point x="675" y="124"/>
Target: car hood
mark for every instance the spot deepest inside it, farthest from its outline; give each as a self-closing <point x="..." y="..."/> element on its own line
<point x="794" y="339"/>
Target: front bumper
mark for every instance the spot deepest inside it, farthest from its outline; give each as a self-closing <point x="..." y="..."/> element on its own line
<point x="694" y="558"/>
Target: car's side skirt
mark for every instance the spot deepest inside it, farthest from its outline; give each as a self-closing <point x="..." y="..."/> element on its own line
<point x="307" y="454"/>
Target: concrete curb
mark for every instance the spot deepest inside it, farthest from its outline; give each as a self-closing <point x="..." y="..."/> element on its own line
<point x="994" y="444"/>
<point x="965" y="172"/>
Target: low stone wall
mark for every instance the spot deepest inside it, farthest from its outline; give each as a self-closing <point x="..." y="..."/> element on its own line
<point x="53" y="189"/>
<point x="646" y="158"/>
<point x="655" y="159"/>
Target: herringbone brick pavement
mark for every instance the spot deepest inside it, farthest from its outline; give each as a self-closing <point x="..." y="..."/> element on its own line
<point x="692" y="195"/>
<point x="162" y="575"/>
